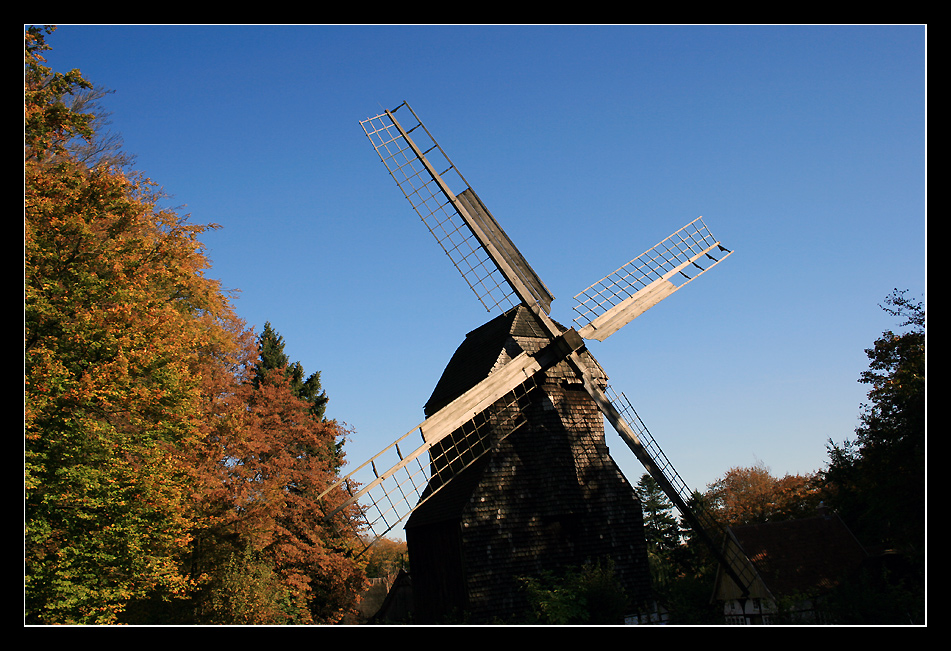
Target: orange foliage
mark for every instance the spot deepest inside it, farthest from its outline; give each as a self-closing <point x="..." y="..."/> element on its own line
<point x="751" y="495"/>
<point x="265" y="462"/>
<point x="386" y="557"/>
<point x="116" y="313"/>
<point x="151" y="465"/>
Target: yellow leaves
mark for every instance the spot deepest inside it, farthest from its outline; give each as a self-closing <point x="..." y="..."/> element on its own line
<point x="116" y="314"/>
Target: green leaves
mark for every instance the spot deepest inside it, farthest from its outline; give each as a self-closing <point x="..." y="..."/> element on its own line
<point x="111" y="343"/>
<point x="661" y="528"/>
<point x="589" y="594"/>
<point x="877" y="481"/>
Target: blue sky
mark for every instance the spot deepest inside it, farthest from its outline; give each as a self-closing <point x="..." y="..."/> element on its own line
<point x="803" y="147"/>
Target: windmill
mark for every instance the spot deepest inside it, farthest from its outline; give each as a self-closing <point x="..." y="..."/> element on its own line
<point x="463" y="426"/>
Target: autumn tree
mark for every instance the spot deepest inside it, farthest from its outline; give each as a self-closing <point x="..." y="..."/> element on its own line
<point x="385" y="556"/>
<point x="101" y="146"/>
<point x="683" y="574"/>
<point x="268" y="461"/>
<point x="752" y="495"/>
<point x="117" y="315"/>
<point x="48" y="123"/>
<point x="161" y="483"/>
<point x="876" y="481"/>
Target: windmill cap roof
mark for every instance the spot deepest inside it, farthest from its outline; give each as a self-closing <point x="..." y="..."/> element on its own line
<point x="479" y="353"/>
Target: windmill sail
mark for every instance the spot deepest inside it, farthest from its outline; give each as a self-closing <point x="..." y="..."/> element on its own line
<point x="407" y="480"/>
<point x="619" y="412"/>
<point x="637" y="437"/>
<point x="618" y="298"/>
<point x="485" y="256"/>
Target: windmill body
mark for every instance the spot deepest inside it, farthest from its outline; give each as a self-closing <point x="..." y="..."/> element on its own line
<point x="523" y="393"/>
<point x="542" y="494"/>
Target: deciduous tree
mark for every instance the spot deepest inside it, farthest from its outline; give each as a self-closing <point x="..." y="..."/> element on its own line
<point x="386" y="556"/>
<point x="268" y="461"/>
<point x="751" y="495"/>
<point x="117" y="313"/>
<point x="169" y="477"/>
<point x="48" y="123"/>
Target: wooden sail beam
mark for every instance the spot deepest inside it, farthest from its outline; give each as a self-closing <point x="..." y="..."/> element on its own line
<point x="514" y="267"/>
<point x="632" y="307"/>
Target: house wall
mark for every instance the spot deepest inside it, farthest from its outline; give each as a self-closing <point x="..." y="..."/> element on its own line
<point x="765" y="611"/>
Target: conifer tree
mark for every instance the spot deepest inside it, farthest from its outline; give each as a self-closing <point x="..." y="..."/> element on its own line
<point x="660" y="526"/>
<point x="273" y="358"/>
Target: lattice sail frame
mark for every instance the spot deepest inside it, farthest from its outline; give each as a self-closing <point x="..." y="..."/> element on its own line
<point x="702" y="521"/>
<point x="635" y="287"/>
<point x="424" y="193"/>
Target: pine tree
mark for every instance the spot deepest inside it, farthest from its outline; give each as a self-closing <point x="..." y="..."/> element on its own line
<point x="273" y="358"/>
<point x="660" y="526"/>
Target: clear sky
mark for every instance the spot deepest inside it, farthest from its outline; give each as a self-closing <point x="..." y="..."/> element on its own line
<point x="803" y="147"/>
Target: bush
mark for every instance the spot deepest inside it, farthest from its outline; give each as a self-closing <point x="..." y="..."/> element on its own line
<point x="589" y="594"/>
